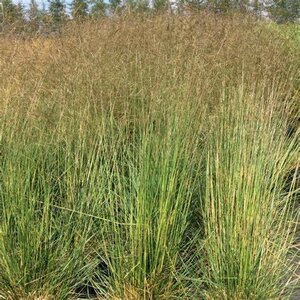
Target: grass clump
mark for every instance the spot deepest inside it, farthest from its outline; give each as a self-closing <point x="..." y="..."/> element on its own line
<point x="149" y="157"/>
<point x="246" y="208"/>
<point x="154" y="188"/>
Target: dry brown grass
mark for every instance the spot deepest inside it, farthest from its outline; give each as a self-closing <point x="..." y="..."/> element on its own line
<point x="139" y="59"/>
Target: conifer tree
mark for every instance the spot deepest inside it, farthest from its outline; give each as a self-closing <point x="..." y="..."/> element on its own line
<point x="161" y="5"/>
<point x="34" y="15"/>
<point x="98" y="8"/>
<point x="283" y="11"/>
<point x="114" y="5"/>
<point x="9" y="12"/>
<point x="57" y="11"/>
<point x="79" y="8"/>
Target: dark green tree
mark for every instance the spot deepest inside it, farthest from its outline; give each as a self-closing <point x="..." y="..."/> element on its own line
<point x="137" y="5"/>
<point x="33" y="11"/>
<point x="57" y="11"/>
<point x="34" y="15"/>
<point x="224" y="5"/>
<point x="257" y="7"/>
<point x="161" y="5"/>
<point x="20" y="12"/>
<point x="43" y="12"/>
<point x="79" y="8"/>
<point x="142" y="5"/>
<point x="114" y="5"/>
<point x="98" y="8"/>
<point x="193" y="4"/>
<point x="9" y="12"/>
<point x="283" y="11"/>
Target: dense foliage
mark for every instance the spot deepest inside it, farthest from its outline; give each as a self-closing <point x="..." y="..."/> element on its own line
<point x="18" y="18"/>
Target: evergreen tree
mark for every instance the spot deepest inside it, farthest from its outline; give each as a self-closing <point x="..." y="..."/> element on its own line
<point x="193" y="4"/>
<point x="44" y="13"/>
<point x="57" y="11"/>
<point x="46" y="23"/>
<point x="114" y="5"/>
<point x="19" y="12"/>
<point x="98" y="8"/>
<point x="161" y="5"/>
<point x="137" y="5"/>
<point x="79" y="8"/>
<point x="9" y="12"/>
<point x="224" y="5"/>
<point x="34" y="15"/>
<point x="257" y="7"/>
<point x="283" y="11"/>
<point x="33" y="11"/>
<point x="142" y="5"/>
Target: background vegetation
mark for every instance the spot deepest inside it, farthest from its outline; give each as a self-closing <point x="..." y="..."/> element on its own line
<point x="47" y="17"/>
<point x="150" y="157"/>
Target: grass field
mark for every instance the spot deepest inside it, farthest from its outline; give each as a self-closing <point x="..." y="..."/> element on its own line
<point x="150" y="157"/>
